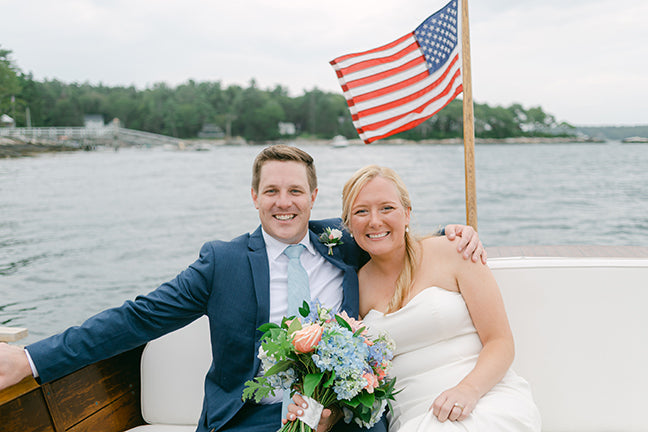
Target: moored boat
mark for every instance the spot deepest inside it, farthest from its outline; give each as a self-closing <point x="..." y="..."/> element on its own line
<point x="635" y="140"/>
<point x="339" y="141"/>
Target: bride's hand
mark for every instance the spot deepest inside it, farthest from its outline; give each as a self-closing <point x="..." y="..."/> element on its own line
<point x="329" y="416"/>
<point x="455" y="404"/>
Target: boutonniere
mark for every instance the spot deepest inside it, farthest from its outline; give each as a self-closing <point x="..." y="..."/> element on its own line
<point x="331" y="237"/>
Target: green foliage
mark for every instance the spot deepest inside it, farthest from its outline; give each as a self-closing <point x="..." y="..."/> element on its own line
<point x="343" y="323"/>
<point x="251" y="112"/>
<point x="9" y="82"/>
<point x="257" y="389"/>
<point x="304" y="309"/>
<point x="311" y="381"/>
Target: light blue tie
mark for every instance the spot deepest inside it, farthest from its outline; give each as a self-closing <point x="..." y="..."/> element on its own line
<point x="298" y="291"/>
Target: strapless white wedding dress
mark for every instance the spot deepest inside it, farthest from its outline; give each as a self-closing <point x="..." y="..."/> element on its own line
<point x="436" y="347"/>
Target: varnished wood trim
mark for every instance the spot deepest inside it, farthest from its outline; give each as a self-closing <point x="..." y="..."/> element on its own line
<point x="13" y="392"/>
<point x="103" y="397"/>
<point x="82" y="394"/>
<point x="25" y="413"/>
<point x="122" y="414"/>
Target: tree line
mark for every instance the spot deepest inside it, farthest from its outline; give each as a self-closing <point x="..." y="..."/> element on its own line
<point x="249" y="112"/>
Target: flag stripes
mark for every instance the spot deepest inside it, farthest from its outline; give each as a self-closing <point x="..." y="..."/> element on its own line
<point x="399" y="85"/>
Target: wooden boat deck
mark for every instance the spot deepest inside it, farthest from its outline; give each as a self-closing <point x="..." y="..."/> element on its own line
<point x="102" y="397"/>
<point x="573" y="251"/>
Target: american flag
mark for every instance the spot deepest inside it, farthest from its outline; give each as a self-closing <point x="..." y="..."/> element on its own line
<point x="398" y="86"/>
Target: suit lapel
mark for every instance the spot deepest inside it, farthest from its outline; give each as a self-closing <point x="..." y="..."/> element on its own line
<point x="350" y="301"/>
<point x="260" y="274"/>
<point x="335" y="259"/>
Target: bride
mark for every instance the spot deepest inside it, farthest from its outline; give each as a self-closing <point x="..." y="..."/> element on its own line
<point x="454" y="346"/>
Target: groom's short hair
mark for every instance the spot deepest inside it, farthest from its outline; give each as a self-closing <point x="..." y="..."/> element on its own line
<point x="283" y="153"/>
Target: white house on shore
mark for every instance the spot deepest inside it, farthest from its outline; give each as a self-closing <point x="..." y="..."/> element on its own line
<point x="6" y="121"/>
<point x="93" y="121"/>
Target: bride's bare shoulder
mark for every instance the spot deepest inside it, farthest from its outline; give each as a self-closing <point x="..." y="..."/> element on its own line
<point x="438" y="245"/>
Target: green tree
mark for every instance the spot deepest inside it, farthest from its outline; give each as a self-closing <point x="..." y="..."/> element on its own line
<point x="322" y="114"/>
<point x="193" y="109"/>
<point x="259" y="115"/>
<point x="9" y="83"/>
<point x="66" y="113"/>
<point x="30" y="92"/>
<point x="497" y="122"/>
<point x="157" y="110"/>
<point x="123" y="103"/>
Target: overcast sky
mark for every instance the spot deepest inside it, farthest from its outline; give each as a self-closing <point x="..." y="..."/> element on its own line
<point x="584" y="61"/>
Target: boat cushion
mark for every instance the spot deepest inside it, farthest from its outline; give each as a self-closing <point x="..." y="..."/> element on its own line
<point x="163" y="428"/>
<point x="579" y="326"/>
<point x="173" y="369"/>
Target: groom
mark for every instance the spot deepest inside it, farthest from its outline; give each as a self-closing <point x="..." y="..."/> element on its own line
<point x="239" y="285"/>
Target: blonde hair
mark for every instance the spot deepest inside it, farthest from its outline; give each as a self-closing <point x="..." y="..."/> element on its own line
<point x="350" y="193"/>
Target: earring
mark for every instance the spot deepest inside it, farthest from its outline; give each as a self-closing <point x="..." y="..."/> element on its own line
<point x="406" y="228"/>
<point x="351" y="234"/>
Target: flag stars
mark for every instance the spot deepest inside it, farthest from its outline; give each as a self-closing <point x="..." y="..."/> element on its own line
<point x="437" y="36"/>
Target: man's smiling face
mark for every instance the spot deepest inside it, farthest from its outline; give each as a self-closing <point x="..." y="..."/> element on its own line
<point x="284" y="200"/>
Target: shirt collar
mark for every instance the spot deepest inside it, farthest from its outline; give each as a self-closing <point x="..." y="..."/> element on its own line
<point x="275" y="247"/>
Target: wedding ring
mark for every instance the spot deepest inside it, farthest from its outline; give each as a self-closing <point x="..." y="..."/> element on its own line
<point x="458" y="405"/>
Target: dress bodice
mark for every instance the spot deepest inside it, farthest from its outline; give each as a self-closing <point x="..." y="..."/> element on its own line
<point x="434" y="316"/>
<point x="437" y="345"/>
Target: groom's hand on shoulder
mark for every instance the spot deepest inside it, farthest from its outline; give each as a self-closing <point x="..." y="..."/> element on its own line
<point x="468" y="243"/>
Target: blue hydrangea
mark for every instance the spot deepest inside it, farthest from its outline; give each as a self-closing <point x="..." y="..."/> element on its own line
<point x="318" y="313"/>
<point x="281" y="380"/>
<point x="345" y="355"/>
<point x="348" y="389"/>
<point x="380" y="351"/>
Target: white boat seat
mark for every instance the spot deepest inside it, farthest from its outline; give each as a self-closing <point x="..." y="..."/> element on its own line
<point x="173" y="369"/>
<point x="163" y="428"/>
<point x="580" y="338"/>
<point x="579" y="326"/>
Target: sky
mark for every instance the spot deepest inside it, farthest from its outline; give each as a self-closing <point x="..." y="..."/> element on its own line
<point x="583" y="61"/>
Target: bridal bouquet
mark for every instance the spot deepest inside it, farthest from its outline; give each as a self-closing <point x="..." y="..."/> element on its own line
<point x="327" y="358"/>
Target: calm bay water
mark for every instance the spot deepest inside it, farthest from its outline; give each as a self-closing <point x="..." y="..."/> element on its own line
<point x="81" y="232"/>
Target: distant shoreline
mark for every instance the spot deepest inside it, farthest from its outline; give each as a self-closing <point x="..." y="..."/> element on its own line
<point x="14" y="147"/>
<point x="512" y="140"/>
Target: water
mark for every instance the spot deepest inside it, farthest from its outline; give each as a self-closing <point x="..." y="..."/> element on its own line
<point x="81" y="232"/>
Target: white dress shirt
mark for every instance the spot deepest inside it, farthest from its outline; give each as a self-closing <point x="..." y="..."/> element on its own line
<point x="324" y="280"/>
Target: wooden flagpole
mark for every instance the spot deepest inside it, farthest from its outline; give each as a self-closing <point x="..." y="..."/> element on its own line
<point x="468" y="121"/>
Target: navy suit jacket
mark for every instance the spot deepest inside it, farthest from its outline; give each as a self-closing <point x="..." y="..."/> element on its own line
<point x="230" y="284"/>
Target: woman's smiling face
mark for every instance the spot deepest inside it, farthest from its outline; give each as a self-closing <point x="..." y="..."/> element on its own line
<point x="378" y="218"/>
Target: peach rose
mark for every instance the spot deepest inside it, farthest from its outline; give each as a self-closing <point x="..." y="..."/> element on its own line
<point x="381" y="372"/>
<point x="306" y="339"/>
<point x="372" y="381"/>
<point x="354" y="323"/>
